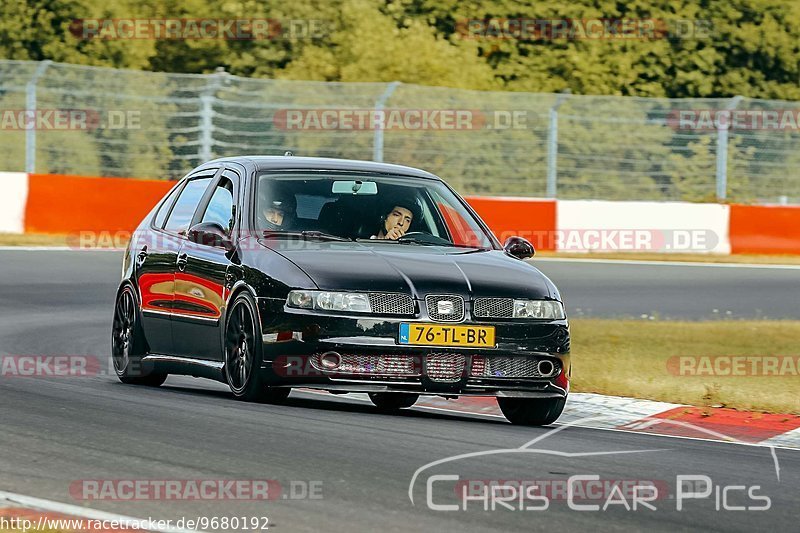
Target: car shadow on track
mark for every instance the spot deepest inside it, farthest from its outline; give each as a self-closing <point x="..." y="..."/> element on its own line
<point x="323" y="402"/>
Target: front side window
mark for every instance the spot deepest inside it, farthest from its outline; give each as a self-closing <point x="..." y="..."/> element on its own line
<point x="374" y="207"/>
<point x="220" y="208"/>
<point x="182" y="214"/>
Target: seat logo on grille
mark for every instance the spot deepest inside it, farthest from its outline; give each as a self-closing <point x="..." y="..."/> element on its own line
<point x="445" y="307"/>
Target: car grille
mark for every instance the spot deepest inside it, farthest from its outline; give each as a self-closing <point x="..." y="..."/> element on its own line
<point x="386" y="303"/>
<point x="372" y="365"/>
<point x="457" y="302"/>
<point x="511" y="367"/>
<point x="493" y="308"/>
<point x="445" y="367"/>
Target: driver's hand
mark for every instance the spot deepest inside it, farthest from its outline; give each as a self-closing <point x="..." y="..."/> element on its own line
<point x="395" y="233"/>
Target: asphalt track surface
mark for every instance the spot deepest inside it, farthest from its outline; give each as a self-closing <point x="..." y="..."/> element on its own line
<point x="56" y="431"/>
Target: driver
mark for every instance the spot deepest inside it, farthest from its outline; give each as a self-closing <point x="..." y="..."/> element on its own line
<point x="277" y="210"/>
<point x="396" y="220"/>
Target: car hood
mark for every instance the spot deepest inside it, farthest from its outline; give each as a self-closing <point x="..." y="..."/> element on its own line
<point x="419" y="270"/>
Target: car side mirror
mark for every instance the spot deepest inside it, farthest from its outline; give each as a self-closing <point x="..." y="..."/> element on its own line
<point x="519" y="248"/>
<point x="210" y="234"/>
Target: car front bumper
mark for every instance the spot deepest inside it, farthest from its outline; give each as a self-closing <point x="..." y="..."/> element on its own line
<point x="294" y="341"/>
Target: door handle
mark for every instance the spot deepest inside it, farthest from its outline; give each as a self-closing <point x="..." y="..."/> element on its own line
<point x="141" y="256"/>
<point x="182" y="260"/>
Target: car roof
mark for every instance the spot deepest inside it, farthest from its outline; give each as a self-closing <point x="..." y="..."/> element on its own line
<point x="272" y="162"/>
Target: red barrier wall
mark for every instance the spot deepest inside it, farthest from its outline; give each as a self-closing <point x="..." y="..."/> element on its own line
<point x="70" y="204"/>
<point x="760" y="229"/>
<point x="530" y="218"/>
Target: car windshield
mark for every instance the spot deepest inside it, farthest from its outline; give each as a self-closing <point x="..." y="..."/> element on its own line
<point x="383" y="209"/>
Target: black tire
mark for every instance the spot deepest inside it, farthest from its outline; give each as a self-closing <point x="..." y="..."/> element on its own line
<point x="392" y="401"/>
<point x="532" y="411"/>
<point x="243" y="354"/>
<point x="128" y="344"/>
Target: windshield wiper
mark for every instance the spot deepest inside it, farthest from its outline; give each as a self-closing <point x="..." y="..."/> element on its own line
<point x="426" y="243"/>
<point x="420" y="243"/>
<point x="321" y="235"/>
<point x="396" y="241"/>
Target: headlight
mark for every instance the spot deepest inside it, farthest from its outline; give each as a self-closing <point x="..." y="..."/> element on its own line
<point x="541" y="309"/>
<point x="301" y="299"/>
<point x="352" y="302"/>
<point x="343" y="301"/>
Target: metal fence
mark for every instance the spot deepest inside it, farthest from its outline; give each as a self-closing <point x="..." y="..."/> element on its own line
<point x="151" y="124"/>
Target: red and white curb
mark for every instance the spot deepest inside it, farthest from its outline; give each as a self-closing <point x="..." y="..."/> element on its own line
<point x="646" y="416"/>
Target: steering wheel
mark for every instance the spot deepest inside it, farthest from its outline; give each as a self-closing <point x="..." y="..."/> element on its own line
<point x="422" y="236"/>
<point x="412" y="234"/>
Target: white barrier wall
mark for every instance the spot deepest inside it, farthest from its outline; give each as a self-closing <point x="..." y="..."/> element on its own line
<point x="664" y="227"/>
<point x="13" y="198"/>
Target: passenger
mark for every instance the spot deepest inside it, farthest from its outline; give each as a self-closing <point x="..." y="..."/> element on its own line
<point x="277" y="210"/>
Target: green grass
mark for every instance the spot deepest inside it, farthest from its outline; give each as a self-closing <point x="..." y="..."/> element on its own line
<point x="32" y="239"/>
<point x="630" y="358"/>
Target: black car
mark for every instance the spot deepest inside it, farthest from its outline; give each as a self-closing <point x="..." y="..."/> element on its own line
<point x="268" y="273"/>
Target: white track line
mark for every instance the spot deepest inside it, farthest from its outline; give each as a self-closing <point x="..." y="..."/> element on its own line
<point x="661" y="263"/>
<point x="79" y="512"/>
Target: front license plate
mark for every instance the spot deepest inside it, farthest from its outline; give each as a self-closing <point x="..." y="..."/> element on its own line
<point x="440" y="335"/>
